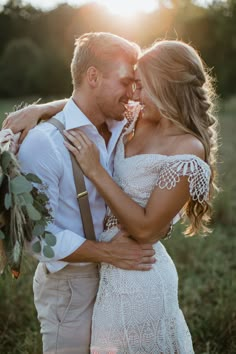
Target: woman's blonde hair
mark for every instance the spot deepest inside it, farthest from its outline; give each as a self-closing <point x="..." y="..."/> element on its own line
<point x="176" y="80"/>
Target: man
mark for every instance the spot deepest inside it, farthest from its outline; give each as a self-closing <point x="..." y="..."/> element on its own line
<point x="65" y="286"/>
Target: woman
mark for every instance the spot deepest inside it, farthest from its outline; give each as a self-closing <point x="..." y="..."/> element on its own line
<point x="164" y="165"/>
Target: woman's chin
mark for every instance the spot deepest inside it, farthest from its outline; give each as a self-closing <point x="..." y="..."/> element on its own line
<point x="144" y="113"/>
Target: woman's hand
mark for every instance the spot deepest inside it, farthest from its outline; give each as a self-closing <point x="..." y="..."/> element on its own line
<point x="23" y="120"/>
<point x="27" y="118"/>
<point x="85" y="152"/>
<point x="9" y="141"/>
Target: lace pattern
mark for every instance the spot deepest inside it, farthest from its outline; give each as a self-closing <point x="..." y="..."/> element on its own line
<point x="197" y="170"/>
<point x="110" y="221"/>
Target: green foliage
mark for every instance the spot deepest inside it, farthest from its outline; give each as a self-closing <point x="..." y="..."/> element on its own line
<point x="48" y="251"/>
<point x="24" y="212"/>
<point x="20" y="66"/>
<point x="36" y="247"/>
<point x="20" y="185"/>
<point x="50" y="239"/>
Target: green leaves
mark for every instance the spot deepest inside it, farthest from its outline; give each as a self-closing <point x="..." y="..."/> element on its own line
<point x="24" y="213"/>
<point x="48" y="251"/>
<point x="17" y="249"/>
<point x="36" y="247"/>
<point x="33" y="213"/>
<point x="7" y="201"/>
<point x="33" y="178"/>
<point x="38" y="230"/>
<point x="5" y="160"/>
<point x="19" y="185"/>
<point x="50" y="239"/>
<point x="28" y="198"/>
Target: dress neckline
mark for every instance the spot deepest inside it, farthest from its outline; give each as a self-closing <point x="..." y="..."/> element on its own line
<point x="156" y="155"/>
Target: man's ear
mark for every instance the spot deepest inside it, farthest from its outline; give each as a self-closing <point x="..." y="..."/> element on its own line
<point x="93" y="75"/>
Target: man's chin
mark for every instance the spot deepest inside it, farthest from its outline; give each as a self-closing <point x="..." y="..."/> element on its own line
<point x="119" y="115"/>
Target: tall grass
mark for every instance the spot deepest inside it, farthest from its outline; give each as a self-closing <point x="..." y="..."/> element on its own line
<point x="206" y="267"/>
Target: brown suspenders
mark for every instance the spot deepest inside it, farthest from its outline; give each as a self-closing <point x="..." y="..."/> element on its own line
<point x="82" y="194"/>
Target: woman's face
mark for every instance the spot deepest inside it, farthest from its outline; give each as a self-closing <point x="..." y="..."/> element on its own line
<point x="140" y="94"/>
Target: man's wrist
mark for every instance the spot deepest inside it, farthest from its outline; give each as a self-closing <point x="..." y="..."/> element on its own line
<point x="90" y="251"/>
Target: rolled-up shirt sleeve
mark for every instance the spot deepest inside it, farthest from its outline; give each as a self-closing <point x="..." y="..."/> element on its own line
<point x="39" y="155"/>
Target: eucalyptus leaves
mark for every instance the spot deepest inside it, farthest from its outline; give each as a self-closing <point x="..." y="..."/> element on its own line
<point x="23" y="214"/>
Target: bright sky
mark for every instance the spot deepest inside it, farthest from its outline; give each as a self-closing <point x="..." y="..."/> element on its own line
<point x="121" y="7"/>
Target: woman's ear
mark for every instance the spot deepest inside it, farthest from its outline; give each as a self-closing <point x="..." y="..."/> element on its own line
<point x="93" y="75"/>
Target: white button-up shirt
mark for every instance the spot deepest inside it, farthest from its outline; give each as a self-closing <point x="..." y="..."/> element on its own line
<point x="44" y="154"/>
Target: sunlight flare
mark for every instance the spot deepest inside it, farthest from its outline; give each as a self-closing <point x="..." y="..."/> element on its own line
<point x="129" y="7"/>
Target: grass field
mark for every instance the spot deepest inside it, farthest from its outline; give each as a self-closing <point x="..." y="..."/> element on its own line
<point x="206" y="267"/>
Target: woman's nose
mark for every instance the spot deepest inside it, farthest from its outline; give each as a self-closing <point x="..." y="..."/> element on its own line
<point x="136" y="96"/>
<point x="130" y="92"/>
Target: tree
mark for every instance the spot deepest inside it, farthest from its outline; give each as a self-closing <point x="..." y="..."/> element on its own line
<point x="20" y="68"/>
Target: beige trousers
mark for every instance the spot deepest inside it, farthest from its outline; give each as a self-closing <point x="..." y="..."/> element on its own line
<point x="64" y="301"/>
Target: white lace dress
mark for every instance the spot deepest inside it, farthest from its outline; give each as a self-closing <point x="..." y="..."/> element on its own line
<point x="138" y="312"/>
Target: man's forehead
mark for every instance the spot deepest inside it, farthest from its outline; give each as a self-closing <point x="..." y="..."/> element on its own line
<point x="124" y="70"/>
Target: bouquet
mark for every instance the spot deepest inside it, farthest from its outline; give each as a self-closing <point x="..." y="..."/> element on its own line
<point x="24" y="212"/>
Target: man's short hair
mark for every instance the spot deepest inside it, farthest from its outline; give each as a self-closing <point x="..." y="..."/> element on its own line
<point x="99" y="49"/>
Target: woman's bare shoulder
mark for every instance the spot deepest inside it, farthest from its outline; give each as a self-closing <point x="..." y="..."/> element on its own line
<point x="189" y="144"/>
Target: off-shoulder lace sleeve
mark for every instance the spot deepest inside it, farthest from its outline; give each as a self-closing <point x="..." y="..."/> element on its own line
<point x="197" y="170"/>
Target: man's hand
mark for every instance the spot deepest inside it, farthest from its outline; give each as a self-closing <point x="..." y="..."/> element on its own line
<point x="122" y="252"/>
<point x="126" y="253"/>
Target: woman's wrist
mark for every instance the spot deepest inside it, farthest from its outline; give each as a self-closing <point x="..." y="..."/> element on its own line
<point x="49" y="109"/>
<point x="46" y="110"/>
<point x="96" y="173"/>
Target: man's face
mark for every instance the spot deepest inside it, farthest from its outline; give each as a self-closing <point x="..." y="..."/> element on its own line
<point x="115" y="89"/>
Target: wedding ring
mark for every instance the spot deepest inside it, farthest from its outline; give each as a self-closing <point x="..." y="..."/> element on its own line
<point x="79" y="147"/>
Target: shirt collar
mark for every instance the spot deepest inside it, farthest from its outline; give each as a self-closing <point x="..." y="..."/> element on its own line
<point x="75" y="118"/>
<point x="116" y="124"/>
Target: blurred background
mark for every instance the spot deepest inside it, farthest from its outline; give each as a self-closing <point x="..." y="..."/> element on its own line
<point x="36" y="47"/>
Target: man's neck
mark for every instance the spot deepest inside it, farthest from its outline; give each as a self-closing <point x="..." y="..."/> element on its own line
<point x="95" y="117"/>
<point x="87" y="107"/>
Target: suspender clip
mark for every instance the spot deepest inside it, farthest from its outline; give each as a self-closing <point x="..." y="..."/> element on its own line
<point x="82" y="194"/>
